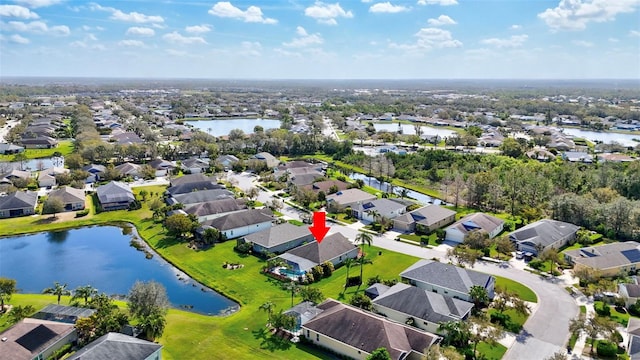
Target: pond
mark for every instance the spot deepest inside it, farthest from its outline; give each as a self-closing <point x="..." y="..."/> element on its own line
<point x="33" y="164"/>
<point x="605" y="137"/>
<point x="409" y="129"/>
<point x="385" y="187"/>
<point x="101" y="257"/>
<point x="221" y="127"/>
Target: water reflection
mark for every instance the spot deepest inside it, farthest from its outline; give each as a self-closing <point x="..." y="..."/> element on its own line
<point x="57" y="237"/>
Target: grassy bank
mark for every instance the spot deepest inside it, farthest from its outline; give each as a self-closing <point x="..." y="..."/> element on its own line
<point x="65" y="147"/>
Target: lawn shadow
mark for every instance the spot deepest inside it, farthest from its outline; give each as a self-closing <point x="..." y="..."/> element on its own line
<point x="166" y="242"/>
<point x="45" y="220"/>
<point x="278" y="341"/>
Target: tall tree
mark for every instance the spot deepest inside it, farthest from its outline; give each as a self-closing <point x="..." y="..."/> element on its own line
<point x="58" y="290"/>
<point x="7" y="288"/>
<point x="52" y="206"/>
<point x="84" y="292"/>
<point x="145" y="298"/>
<point x="363" y="238"/>
<point x="479" y="296"/>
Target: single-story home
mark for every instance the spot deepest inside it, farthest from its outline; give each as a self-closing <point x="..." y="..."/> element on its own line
<point x="190" y="178"/>
<point x="115" y="196"/>
<point x="214" y="209"/>
<point x="630" y="293"/>
<point x="72" y="198"/>
<point x="427" y="309"/>
<point x="201" y="196"/>
<point x="457" y="231"/>
<point x="39" y="142"/>
<point x="162" y="167"/>
<point x="95" y="172"/>
<point x="269" y="160"/>
<point x="327" y="186"/>
<point x="195" y="165"/>
<point x="62" y="313"/>
<point x="335" y="248"/>
<point x="424" y="219"/>
<point x="375" y="290"/>
<point x="116" y="346"/>
<point x="278" y="239"/>
<point x="35" y="339"/>
<point x="447" y="279"/>
<point x="633" y="346"/>
<point x="129" y="169"/>
<point x="194" y="187"/>
<point x="303" y="312"/>
<point x="354" y="333"/>
<point x="47" y="177"/>
<point x="19" y="203"/>
<point x="609" y="259"/>
<point x="240" y="223"/>
<point x="544" y="234"/>
<point x="379" y="208"/>
<point x="10" y="149"/>
<point x="9" y="177"/>
<point x="348" y="198"/>
<point x="577" y="156"/>
<point x="227" y="161"/>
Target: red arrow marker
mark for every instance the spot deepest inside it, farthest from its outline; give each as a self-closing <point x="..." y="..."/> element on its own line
<point x="319" y="229"/>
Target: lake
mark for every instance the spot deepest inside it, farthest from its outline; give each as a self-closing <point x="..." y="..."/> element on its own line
<point x="605" y="137"/>
<point x="101" y="257"/>
<point x="408" y="129"/>
<point x="223" y="127"/>
<point x="386" y="187"/>
<point x="33" y="164"/>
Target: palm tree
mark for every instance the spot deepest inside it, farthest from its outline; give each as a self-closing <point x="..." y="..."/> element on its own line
<point x="84" y="292"/>
<point x="348" y="263"/>
<point x="363" y="260"/>
<point x="479" y="296"/>
<point x="375" y="214"/>
<point x="293" y="287"/>
<point x="58" y="289"/>
<point x="363" y="238"/>
<point x="403" y="193"/>
<point x="153" y="325"/>
<point x="268" y="308"/>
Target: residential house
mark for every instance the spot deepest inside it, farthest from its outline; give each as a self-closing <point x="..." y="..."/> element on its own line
<point x="201" y="196"/>
<point x="195" y="165"/>
<point x="629" y="292"/>
<point x="10" y="149"/>
<point x="264" y="157"/>
<point x="62" y="313"/>
<point x="354" y="333"/>
<point x="577" y="156"/>
<point x="72" y="198"/>
<point x="447" y="279"/>
<point x="426" y="309"/>
<point x="327" y="186"/>
<point x="376" y="209"/>
<point x="608" y="157"/>
<point x="19" y="203"/>
<point x="116" y="346"/>
<point x="240" y="223"/>
<point x="375" y="290"/>
<point x="543" y="234"/>
<point x="457" y="231"/>
<point x="95" y="171"/>
<point x="303" y="313"/>
<point x="227" y="161"/>
<point x="190" y="178"/>
<point x="129" y="170"/>
<point x="279" y="238"/>
<point x="334" y="248"/>
<point x="126" y="138"/>
<point x="39" y="142"/>
<point x="11" y="176"/>
<point x="609" y="259"/>
<point x="115" y="196"/>
<point x="633" y="345"/>
<point x="424" y="219"/>
<point x="47" y="177"/>
<point x="35" y="339"/>
<point x="162" y="167"/>
<point x="213" y="209"/>
<point x="304" y="179"/>
<point x="194" y="187"/>
<point x="540" y="154"/>
<point x="348" y="198"/>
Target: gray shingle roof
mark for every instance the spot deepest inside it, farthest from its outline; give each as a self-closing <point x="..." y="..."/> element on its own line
<point x="19" y="200"/>
<point x="68" y="194"/>
<point x="382" y="206"/>
<point x="216" y="207"/>
<point x="477" y="221"/>
<point x="544" y="232"/>
<point x="607" y="256"/>
<point x="114" y="191"/>
<point x="203" y="196"/>
<point x="331" y="247"/>
<point x="446" y="275"/>
<point x="278" y="234"/>
<point x="350" y="195"/>
<point x="368" y="332"/>
<point x="194" y="187"/>
<point x="239" y="219"/>
<point x="190" y="178"/>
<point x="422" y="304"/>
<point x="116" y="346"/>
<point x="427" y="215"/>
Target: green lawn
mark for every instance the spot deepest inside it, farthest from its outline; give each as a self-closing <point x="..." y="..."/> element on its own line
<point x="65" y="147"/>
<point x="432" y="239"/>
<point x="520" y="290"/>
<point x="619" y="317"/>
<point x="491" y="352"/>
<point x="515" y="317"/>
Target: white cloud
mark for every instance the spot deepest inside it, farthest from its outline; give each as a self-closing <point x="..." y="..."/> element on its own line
<point x="304" y="39"/>
<point x="583" y="43"/>
<point x="253" y="14"/>
<point x="37" y="27"/>
<point x="516" y="27"/>
<point x="249" y="48"/>
<point x="438" y="2"/>
<point x="613" y="40"/>
<point x="441" y="21"/>
<point x="18" y="39"/>
<point x="430" y="38"/>
<point x="576" y="14"/>
<point x="511" y="42"/>
<point x="37" y="3"/>
<point x="85" y="45"/>
<point x="134" y="17"/>
<point x="387" y="7"/>
<point x="634" y="33"/>
<point x="140" y="31"/>
<point x="198" y="29"/>
<point x="177" y="38"/>
<point x="17" y="11"/>
<point x="327" y="13"/>
<point x="132" y="43"/>
<point x="367" y="1"/>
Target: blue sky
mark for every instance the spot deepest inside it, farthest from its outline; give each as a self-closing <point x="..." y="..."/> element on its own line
<point x="296" y="39"/>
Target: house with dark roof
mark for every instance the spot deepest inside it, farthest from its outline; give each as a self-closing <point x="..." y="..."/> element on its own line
<point x="162" y="167"/>
<point x="9" y="177"/>
<point x="190" y="178"/>
<point x="62" y="313"/>
<point x="95" y="172"/>
<point x="375" y="290"/>
<point x="214" y="209"/>
<point x="39" y="142"/>
<point x="10" y="149"/>
<point x="129" y="169"/>
<point x="200" y="196"/>
<point x="240" y="223"/>
<point x="227" y="161"/>
<point x="335" y="248"/>
<point x="379" y="208"/>
<point x="348" y="198"/>
<point x="354" y="333"/>
<point x="327" y="186"/>
<point x="543" y="234"/>
<point x="609" y="259"/>
<point x="457" y="231"/>
<point x="194" y="187"/>
<point x="278" y="239"/>
<point x="35" y="339"/>
<point x="424" y="219"/>
<point x="73" y="199"/>
<point x="427" y="309"/>
<point x="115" y="196"/>
<point x="195" y="165"/>
<point x="127" y="138"/>
<point x="447" y="279"/>
<point x="19" y="203"/>
<point x="116" y="346"/>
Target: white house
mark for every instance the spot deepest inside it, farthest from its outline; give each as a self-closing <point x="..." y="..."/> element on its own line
<point x="240" y="223"/>
<point x="372" y="210"/>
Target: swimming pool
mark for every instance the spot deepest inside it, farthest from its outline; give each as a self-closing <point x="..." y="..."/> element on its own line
<point x="291" y="274"/>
